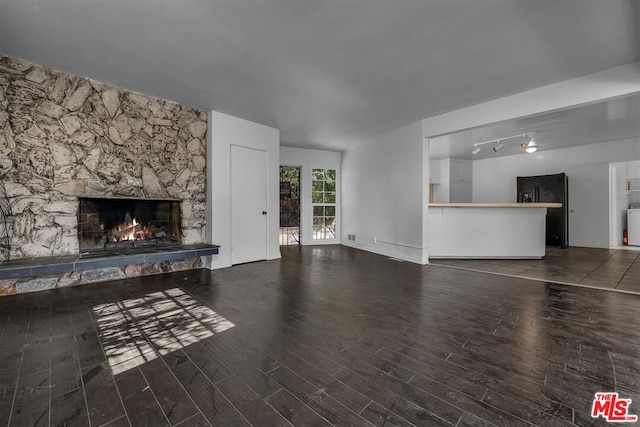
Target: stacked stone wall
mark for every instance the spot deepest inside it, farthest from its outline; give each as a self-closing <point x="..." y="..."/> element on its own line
<point x="64" y="137"/>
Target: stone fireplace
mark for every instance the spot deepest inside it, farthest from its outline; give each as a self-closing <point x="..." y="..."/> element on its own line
<point x="115" y="224"/>
<point x="69" y="143"/>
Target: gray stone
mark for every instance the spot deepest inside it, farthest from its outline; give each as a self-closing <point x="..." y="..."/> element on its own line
<point x="111" y="100"/>
<point x="141" y="100"/>
<point x="195" y="146"/>
<point x="160" y="122"/>
<point x="46" y="236"/>
<point x="13" y="189"/>
<point x="191" y="236"/>
<point x="69" y="279"/>
<point x="37" y="75"/>
<point x="77" y="98"/>
<point x="61" y="154"/>
<point x="32" y="250"/>
<point x="18" y="205"/>
<point x="43" y="220"/>
<point x="69" y="243"/>
<point x="57" y="93"/>
<point x="70" y="208"/>
<point x="92" y="160"/>
<point x="183" y="178"/>
<point x="198" y="129"/>
<point x="102" y="275"/>
<point x="18" y="64"/>
<point x="2" y="98"/>
<point x="151" y="184"/>
<point x="4" y="116"/>
<point x="82" y="188"/>
<point x="83" y="137"/>
<point x="133" y="270"/>
<point x="122" y="125"/>
<point x="157" y="108"/>
<point x="50" y="109"/>
<point x="66" y="221"/>
<point x="114" y="136"/>
<point x="41" y="162"/>
<point x="39" y="284"/>
<point x="71" y="124"/>
<point x="5" y="164"/>
<point x="199" y="163"/>
<point x="63" y="174"/>
<point x="110" y="169"/>
<point x="7" y="286"/>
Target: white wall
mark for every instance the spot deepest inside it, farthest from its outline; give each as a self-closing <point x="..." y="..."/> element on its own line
<point x="308" y="160"/>
<point x="224" y="131"/>
<point x="494" y="179"/>
<point x="385" y="194"/>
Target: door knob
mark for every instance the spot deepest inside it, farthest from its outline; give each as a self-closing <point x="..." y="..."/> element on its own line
<point x="264" y="212"/>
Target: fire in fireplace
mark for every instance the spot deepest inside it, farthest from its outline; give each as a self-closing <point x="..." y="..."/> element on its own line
<point x="127" y="223"/>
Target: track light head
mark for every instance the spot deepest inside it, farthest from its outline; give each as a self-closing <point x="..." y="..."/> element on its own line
<point x="476" y="150"/>
<point x="499" y="146"/>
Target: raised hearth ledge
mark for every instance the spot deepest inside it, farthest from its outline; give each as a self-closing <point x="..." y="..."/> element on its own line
<point x="26" y="267"/>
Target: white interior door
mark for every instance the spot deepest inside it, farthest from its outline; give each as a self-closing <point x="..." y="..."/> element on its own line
<point x="589" y="205"/>
<point x="248" y="204"/>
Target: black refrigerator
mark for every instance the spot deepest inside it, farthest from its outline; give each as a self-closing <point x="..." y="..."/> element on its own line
<point x="548" y="189"/>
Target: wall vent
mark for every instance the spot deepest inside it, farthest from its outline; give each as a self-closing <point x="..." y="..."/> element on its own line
<point x="351" y="237"/>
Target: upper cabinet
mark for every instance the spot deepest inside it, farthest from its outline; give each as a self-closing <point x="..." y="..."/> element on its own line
<point x="434" y="172"/>
<point x="460" y="171"/>
<point x="633" y="176"/>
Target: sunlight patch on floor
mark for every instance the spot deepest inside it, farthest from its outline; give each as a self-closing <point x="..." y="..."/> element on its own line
<point x="138" y="330"/>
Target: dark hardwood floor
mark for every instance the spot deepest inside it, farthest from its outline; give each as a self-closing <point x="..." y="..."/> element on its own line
<point x="326" y="336"/>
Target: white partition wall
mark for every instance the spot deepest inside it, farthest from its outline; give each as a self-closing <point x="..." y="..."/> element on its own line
<point x="225" y="131"/>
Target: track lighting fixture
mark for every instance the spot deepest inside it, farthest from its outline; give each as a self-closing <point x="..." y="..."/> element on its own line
<point x="529" y="145"/>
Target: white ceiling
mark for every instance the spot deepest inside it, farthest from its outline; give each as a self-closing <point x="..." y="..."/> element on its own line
<point x="328" y="73"/>
<point x="610" y="120"/>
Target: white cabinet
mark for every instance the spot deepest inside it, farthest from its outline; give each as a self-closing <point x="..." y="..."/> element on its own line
<point x="460" y="173"/>
<point x="434" y="172"/>
<point x="632" y="182"/>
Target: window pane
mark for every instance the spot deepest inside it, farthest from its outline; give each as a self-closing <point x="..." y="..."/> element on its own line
<point x="329" y="186"/>
<point x="330" y="175"/>
<point x="330" y="210"/>
<point x="330" y="227"/>
<point x="329" y="197"/>
<point x="316" y="197"/>
<point x="317" y="174"/>
<point x="318" y="211"/>
<point x="317" y="185"/>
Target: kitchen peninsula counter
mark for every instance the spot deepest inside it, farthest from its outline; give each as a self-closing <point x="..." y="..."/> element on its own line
<point x="488" y="230"/>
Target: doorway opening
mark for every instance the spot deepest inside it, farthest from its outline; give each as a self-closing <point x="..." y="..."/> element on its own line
<point x="289" y="205"/>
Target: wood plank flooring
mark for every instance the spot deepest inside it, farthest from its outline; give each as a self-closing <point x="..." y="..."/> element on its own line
<point x="326" y="336"/>
<point x="599" y="268"/>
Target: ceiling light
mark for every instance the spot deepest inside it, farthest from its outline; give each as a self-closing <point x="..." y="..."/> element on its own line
<point x="529" y="145"/>
<point x="532" y="147"/>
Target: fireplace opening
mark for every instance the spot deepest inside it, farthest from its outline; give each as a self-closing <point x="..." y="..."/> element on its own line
<point x="108" y="224"/>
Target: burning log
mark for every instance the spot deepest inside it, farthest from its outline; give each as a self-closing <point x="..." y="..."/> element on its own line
<point x="128" y="233"/>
